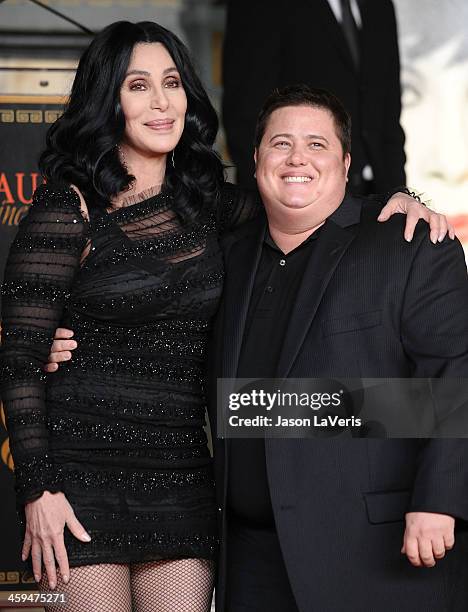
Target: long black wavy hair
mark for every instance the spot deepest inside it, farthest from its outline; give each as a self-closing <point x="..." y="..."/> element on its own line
<point x="82" y="144"/>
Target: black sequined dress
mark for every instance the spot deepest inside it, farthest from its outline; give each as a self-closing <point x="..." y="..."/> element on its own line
<point x="119" y="428"/>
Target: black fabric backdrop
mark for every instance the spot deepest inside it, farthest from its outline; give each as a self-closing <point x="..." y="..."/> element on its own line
<point x="23" y="124"/>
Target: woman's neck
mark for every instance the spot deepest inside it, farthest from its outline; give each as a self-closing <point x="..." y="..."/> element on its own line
<point x="148" y="171"/>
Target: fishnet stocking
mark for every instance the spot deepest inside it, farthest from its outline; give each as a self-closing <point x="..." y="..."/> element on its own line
<point x="182" y="585"/>
<point x="93" y="588"/>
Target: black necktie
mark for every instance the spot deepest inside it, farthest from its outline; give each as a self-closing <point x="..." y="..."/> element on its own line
<point x="350" y="30"/>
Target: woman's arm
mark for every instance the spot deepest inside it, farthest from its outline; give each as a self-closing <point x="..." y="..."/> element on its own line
<point x="239" y="205"/>
<point x="39" y="274"/>
<point x="42" y="264"/>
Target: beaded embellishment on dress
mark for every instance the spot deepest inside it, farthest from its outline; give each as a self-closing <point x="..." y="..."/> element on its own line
<point x="119" y="428"/>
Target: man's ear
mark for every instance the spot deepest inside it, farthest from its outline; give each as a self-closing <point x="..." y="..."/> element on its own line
<point x="347" y="161"/>
<point x="255" y="161"/>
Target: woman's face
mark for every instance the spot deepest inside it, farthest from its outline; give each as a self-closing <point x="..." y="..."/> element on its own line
<point x="153" y="101"/>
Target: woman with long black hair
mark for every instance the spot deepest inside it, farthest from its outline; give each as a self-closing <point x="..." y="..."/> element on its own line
<point x="113" y="473"/>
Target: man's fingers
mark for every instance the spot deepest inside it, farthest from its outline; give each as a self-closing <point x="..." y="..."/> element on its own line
<point x="49" y="564"/>
<point x="451" y="231"/>
<point x="36" y="557"/>
<point x="26" y="546"/>
<point x="63" y="345"/>
<point x="77" y="529"/>
<point x="62" y="558"/>
<point x="62" y="333"/>
<point x="59" y="352"/>
<point x="449" y="541"/>
<point x="433" y="534"/>
<point x="412" y="551"/>
<point x="59" y="357"/>
<point x="425" y="552"/>
<point x="438" y="547"/>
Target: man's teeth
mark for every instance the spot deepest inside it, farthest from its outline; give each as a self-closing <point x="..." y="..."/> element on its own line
<point x="297" y="179"/>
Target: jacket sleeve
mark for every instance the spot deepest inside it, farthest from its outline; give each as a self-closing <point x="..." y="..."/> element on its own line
<point x="237" y="206"/>
<point x="43" y="261"/>
<point x="435" y="337"/>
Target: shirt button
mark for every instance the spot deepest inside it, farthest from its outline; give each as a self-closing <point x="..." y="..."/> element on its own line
<point x="269" y="289"/>
<point x="282" y="262"/>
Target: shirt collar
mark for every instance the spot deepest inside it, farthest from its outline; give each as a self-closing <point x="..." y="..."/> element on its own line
<point x="271" y="243"/>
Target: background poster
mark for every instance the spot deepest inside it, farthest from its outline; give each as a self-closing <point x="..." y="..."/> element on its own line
<point x="433" y="36"/>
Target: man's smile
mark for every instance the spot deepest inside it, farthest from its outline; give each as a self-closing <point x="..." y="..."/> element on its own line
<point x="297" y="179"/>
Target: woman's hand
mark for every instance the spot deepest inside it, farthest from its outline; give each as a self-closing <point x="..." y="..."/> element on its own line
<point x="46" y="518"/>
<point x="61" y="349"/>
<point x="403" y="203"/>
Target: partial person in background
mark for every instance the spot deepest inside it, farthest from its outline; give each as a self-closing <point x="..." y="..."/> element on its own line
<point x="348" y="47"/>
<point x="434" y="75"/>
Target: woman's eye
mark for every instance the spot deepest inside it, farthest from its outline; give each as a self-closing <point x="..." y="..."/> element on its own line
<point x="172" y="83"/>
<point x="137" y="86"/>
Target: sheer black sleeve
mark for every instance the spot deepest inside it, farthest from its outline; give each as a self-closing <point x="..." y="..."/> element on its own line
<point x="41" y="266"/>
<point x="237" y="206"/>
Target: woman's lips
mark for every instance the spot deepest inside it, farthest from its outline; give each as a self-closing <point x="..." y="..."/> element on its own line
<point x="160" y="125"/>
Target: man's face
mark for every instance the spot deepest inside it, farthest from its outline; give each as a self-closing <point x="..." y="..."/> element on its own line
<point x="300" y="167"/>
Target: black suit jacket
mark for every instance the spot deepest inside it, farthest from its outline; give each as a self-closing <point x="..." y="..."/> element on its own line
<point x="370" y="305"/>
<point x="273" y="44"/>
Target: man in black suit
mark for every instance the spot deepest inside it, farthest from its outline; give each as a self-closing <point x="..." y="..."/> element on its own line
<point x="348" y="47"/>
<point x="319" y="289"/>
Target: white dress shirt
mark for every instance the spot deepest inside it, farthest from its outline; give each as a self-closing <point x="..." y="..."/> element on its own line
<point x="335" y="6"/>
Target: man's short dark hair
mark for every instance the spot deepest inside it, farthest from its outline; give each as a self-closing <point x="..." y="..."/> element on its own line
<point x="303" y="95"/>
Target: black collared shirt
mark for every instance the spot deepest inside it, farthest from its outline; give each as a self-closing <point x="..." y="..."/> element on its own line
<point x="274" y="294"/>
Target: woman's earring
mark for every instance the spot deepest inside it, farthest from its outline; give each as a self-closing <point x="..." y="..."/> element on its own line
<point x="172" y="159"/>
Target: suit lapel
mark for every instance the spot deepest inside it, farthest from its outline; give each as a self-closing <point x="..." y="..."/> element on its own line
<point x="241" y="268"/>
<point x="335" y="238"/>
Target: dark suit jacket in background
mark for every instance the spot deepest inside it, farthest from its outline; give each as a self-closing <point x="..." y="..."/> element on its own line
<point x="273" y="44"/>
<point x="370" y="305"/>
